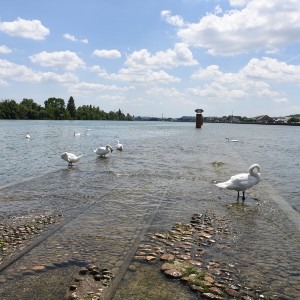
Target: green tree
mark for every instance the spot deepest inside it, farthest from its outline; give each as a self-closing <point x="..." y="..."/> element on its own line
<point x="9" y="109"/>
<point x="32" y="109"/>
<point x="293" y="120"/>
<point x="71" y="108"/>
<point x="55" y="108"/>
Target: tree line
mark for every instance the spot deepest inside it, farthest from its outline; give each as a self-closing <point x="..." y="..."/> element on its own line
<point x="56" y="109"/>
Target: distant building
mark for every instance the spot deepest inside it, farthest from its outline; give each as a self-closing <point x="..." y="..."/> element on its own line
<point x="212" y="119"/>
<point x="264" y="119"/>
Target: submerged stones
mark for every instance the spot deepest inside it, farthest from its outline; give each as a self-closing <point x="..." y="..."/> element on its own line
<point x="16" y="233"/>
<point x="90" y="283"/>
<point x="184" y="255"/>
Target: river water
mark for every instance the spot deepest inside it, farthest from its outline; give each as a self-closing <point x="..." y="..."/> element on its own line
<point x="166" y="171"/>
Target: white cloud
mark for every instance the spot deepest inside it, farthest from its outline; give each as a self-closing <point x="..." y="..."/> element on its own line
<point x="3" y="83"/>
<point x="72" y="38"/>
<point x="107" y="53"/>
<point x="218" y="10"/>
<point x="30" y="29"/>
<point x="238" y="2"/>
<point x="179" y="56"/>
<point x="268" y="25"/>
<point x="61" y="59"/>
<point x="173" y="20"/>
<point x="219" y="91"/>
<point x="4" y="49"/>
<point x="260" y="77"/>
<point x="89" y="87"/>
<point x="100" y="72"/>
<point x="143" y="76"/>
<point x="273" y="70"/>
<point x="22" y="73"/>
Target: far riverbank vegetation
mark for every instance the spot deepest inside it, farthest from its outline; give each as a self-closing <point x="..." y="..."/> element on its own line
<point x="56" y="109"/>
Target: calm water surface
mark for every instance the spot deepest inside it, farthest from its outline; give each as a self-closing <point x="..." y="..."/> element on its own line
<point x="153" y="148"/>
<point x="165" y="173"/>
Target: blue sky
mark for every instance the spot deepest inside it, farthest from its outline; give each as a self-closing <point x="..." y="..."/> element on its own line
<point x="154" y="58"/>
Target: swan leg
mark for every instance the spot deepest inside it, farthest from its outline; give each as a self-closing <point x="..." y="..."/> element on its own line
<point x="238" y="196"/>
<point x="243" y="196"/>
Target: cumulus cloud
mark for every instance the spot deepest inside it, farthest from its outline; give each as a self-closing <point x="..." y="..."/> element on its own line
<point x="100" y="72"/>
<point x="260" y="77"/>
<point x="90" y="87"/>
<point x="29" y="29"/>
<point x="143" y="76"/>
<point x="22" y="73"/>
<point x="4" y="49"/>
<point x="181" y="55"/>
<point x="260" y="25"/>
<point x="107" y="53"/>
<point x="61" y="59"/>
<point x="271" y="69"/>
<point x="140" y="66"/>
<point x="72" y="38"/>
<point x="176" y="20"/>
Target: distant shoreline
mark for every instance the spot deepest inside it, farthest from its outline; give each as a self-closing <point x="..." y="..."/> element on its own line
<point x="241" y="123"/>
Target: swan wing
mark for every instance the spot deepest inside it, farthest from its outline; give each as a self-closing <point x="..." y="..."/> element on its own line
<point x="100" y="151"/>
<point x="241" y="182"/>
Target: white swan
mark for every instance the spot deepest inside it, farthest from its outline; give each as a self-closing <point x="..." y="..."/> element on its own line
<point x="102" y="151"/>
<point x="76" y="133"/>
<point x="119" y="146"/>
<point x="242" y="182"/>
<point x="70" y="157"/>
<point x="88" y="131"/>
<point x="28" y="136"/>
<point x="228" y="140"/>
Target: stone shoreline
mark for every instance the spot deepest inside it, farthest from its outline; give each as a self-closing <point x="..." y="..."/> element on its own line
<point x="183" y="254"/>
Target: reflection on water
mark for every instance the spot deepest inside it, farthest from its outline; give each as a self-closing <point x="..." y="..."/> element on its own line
<point x="165" y="174"/>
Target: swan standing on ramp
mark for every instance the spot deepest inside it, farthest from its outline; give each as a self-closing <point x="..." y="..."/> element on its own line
<point x="102" y="151"/>
<point x="70" y="157"/>
<point x="119" y="146"/>
<point x="242" y="182"/>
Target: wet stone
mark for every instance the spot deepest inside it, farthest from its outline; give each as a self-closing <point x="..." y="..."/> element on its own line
<point x="211" y="296"/>
<point x="167" y="257"/>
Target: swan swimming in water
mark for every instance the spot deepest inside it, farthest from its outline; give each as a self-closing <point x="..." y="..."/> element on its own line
<point x="102" y="151"/>
<point x="88" y="131"/>
<point x="228" y="140"/>
<point x="76" y="133"/>
<point x="119" y="146"/>
<point x="70" y="157"/>
<point x="28" y="136"/>
<point x="242" y="182"/>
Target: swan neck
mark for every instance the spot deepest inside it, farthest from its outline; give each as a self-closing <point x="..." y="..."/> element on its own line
<point x="251" y="170"/>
